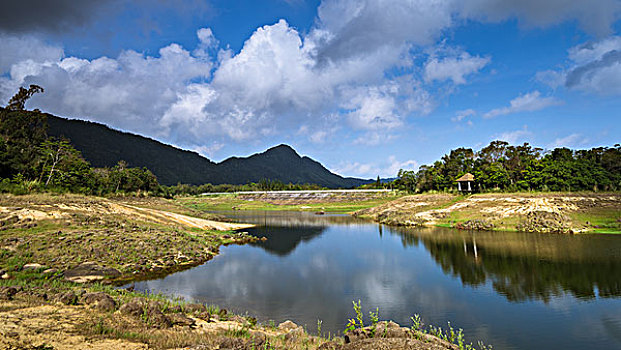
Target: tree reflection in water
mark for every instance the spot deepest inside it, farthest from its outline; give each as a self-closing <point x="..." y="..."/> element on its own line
<point x="523" y="266"/>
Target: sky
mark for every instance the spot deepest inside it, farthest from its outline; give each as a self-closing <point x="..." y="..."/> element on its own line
<point x="366" y="87"/>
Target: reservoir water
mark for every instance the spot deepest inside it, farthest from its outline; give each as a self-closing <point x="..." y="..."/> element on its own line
<point x="510" y="290"/>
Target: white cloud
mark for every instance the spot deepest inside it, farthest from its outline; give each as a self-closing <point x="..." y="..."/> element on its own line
<point x="388" y="168"/>
<point x="340" y="71"/>
<point x="454" y="68"/>
<point x="461" y="115"/>
<point x="131" y="91"/>
<point x="529" y="102"/>
<point x="209" y="150"/>
<point x="596" y="67"/>
<point x="395" y="165"/>
<point x="365" y="170"/>
<point x="570" y="141"/>
<point x="514" y="137"/>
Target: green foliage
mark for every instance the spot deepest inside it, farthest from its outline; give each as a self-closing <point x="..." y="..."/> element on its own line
<point x="18" y="101"/>
<point x="30" y="160"/>
<point x="502" y="167"/>
<point x="104" y="147"/>
<point x="418" y="330"/>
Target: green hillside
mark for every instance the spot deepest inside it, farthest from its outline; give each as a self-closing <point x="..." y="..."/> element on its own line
<point x="105" y="147"/>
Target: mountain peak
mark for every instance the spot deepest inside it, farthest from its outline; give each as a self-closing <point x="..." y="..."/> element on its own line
<point x="282" y="149"/>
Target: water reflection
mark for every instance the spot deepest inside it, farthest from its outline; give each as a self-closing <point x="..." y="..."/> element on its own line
<point x="285" y="230"/>
<point x="283" y="240"/>
<point x="492" y="284"/>
<point x="525" y="266"/>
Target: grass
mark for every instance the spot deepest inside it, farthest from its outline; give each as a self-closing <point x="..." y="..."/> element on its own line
<point x="131" y="245"/>
<point x="585" y="212"/>
<point x="418" y="329"/>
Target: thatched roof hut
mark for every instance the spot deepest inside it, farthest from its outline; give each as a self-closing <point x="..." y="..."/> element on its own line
<point x="465" y="183"/>
<point x="466" y="177"/>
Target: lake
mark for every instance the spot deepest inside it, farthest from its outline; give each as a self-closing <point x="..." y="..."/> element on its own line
<point x="511" y="290"/>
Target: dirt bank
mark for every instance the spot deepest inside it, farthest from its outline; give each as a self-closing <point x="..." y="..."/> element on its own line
<point x="118" y="239"/>
<point x="549" y="212"/>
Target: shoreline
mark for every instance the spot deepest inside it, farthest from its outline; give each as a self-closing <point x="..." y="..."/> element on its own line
<point x="63" y="255"/>
<point x="568" y="213"/>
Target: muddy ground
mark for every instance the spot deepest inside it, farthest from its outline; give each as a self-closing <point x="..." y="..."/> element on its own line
<point x="549" y="212"/>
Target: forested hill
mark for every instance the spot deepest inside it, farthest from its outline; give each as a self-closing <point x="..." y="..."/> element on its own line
<point x="105" y="147"/>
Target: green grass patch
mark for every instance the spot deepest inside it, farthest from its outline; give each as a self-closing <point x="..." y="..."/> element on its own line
<point x="223" y="203"/>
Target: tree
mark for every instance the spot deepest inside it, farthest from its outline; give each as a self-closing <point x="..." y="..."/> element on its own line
<point x="18" y="101"/>
<point x="63" y="165"/>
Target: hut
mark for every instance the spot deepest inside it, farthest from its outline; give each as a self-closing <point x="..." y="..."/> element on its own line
<point x="465" y="183"/>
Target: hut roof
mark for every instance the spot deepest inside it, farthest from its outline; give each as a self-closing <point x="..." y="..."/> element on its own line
<point x="466" y="177"/>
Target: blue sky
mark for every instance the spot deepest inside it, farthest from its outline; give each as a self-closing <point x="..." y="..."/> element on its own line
<point x="366" y="87"/>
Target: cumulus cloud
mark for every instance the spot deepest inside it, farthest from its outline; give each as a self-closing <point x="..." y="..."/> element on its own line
<point x="131" y="91"/>
<point x="388" y="168"/>
<point x="354" y="28"/>
<point x="454" y="68"/>
<point x="594" y="67"/>
<point x="342" y="71"/>
<point x="529" y="102"/>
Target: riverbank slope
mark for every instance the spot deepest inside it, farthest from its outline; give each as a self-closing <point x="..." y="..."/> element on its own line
<point x="586" y="212"/>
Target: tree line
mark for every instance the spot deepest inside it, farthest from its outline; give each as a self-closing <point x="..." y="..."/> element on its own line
<point x="30" y="160"/>
<point x="502" y="167"/>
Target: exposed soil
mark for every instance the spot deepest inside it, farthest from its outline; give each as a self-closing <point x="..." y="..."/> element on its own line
<point x="290" y="198"/>
<point x="554" y="212"/>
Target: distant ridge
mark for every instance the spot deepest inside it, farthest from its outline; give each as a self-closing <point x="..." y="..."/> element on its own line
<point x="103" y="146"/>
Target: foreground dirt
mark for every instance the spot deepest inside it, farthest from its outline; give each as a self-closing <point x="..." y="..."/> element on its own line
<point x="32" y="320"/>
<point x="550" y="212"/>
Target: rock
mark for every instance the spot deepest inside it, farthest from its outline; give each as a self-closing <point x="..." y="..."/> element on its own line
<point x="232" y="343"/>
<point x="100" y="300"/>
<point x="90" y="271"/>
<point x="181" y="320"/>
<point x="287" y="325"/>
<point x="294" y="334"/>
<point x="384" y="329"/>
<point x="68" y="298"/>
<point x="155" y="316"/>
<point x="33" y="267"/>
<point x="5" y="276"/>
<point x="133" y="308"/>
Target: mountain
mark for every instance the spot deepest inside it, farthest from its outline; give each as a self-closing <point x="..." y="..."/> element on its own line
<point x="105" y="147"/>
